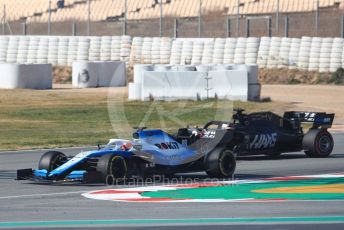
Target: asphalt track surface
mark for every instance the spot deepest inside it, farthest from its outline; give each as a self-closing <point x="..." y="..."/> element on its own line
<point x="24" y="204"/>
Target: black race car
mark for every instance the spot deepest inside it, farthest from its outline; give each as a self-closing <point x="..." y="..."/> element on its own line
<point x="270" y="134"/>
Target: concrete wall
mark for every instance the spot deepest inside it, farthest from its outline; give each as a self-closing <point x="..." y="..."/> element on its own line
<point x="27" y="76"/>
<point x="98" y="74"/>
<point x="184" y="82"/>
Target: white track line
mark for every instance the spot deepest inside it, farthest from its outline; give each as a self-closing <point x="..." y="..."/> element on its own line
<point x="47" y="149"/>
<point x="43" y="194"/>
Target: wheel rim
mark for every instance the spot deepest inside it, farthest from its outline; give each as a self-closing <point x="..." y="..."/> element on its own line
<point x="118" y="167"/>
<point x="227" y="165"/>
<point x="325" y="144"/>
<point x="57" y="162"/>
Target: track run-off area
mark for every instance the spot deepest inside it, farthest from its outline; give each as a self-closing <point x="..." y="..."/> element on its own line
<point x="290" y="191"/>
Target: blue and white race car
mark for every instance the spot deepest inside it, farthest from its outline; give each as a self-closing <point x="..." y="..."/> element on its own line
<point x="150" y="152"/>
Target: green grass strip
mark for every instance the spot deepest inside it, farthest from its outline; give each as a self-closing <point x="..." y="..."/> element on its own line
<point x="246" y="191"/>
<point x="172" y="221"/>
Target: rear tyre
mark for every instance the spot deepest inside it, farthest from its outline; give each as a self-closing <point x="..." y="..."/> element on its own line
<point x="51" y="160"/>
<point x="113" y="168"/>
<point x="318" y="143"/>
<point x="220" y="163"/>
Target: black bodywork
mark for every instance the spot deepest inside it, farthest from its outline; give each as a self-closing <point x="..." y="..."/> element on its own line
<point x="268" y="133"/>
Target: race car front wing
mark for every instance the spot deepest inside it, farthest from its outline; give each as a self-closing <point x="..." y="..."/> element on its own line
<point x="42" y="174"/>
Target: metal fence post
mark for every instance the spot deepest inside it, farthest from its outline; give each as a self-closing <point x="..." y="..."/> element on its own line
<point x="247" y="27"/>
<point x="176" y="28"/>
<point x="74" y="27"/>
<point x="49" y="18"/>
<point x="317" y="18"/>
<point x="277" y="17"/>
<point x="269" y="26"/>
<point x="228" y="27"/>
<point x="4" y="20"/>
<point x="200" y="19"/>
<point x="88" y="17"/>
<point x="286" y="26"/>
<point x="160" y="21"/>
<point x="238" y="18"/>
<point x="125" y="17"/>
<point x="24" y="28"/>
<point x="342" y="31"/>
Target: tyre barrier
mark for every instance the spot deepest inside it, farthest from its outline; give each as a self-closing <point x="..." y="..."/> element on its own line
<point x="240" y="49"/>
<point x="95" y="49"/>
<point x="62" y="53"/>
<point x="251" y="52"/>
<point x="125" y="49"/>
<point x="176" y="52"/>
<point x="229" y="50"/>
<point x="105" y="48"/>
<point x="32" y="50"/>
<point x="283" y="60"/>
<point x="294" y="53"/>
<point x="273" y="57"/>
<point x="136" y="51"/>
<point x="116" y="48"/>
<point x="336" y="54"/>
<point x="304" y="53"/>
<point x="325" y="55"/>
<point x="155" y="50"/>
<point x="263" y="52"/>
<point x="307" y="53"/>
<point x="12" y="50"/>
<point x="23" y="48"/>
<point x="314" y="55"/>
<point x="53" y="50"/>
<point x="82" y="49"/>
<point x="3" y="48"/>
<point x="197" y="51"/>
<point x="208" y="49"/>
<point x="146" y="51"/>
<point x="72" y="50"/>
<point x="165" y="50"/>
<point x="186" y="55"/>
<point x="219" y="46"/>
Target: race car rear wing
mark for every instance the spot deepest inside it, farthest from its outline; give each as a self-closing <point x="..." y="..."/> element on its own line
<point x="319" y="119"/>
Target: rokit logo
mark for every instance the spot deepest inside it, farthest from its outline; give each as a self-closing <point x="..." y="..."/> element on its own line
<point x="167" y="145"/>
<point x="264" y="141"/>
<point x="309" y="117"/>
<point x="209" y="134"/>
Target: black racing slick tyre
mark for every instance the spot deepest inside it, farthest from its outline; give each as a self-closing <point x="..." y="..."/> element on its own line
<point x="51" y="160"/>
<point x="318" y="143"/>
<point x="220" y="163"/>
<point x="113" y="168"/>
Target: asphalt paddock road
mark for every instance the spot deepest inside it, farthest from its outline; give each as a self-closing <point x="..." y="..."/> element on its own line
<point x="26" y="201"/>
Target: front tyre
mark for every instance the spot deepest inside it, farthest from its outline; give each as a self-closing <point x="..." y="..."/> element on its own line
<point x="113" y="168"/>
<point x="51" y="160"/>
<point x="318" y="143"/>
<point x="220" y="163"/>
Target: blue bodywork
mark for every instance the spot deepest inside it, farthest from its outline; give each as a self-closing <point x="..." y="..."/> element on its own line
<point x="160" y="148"/>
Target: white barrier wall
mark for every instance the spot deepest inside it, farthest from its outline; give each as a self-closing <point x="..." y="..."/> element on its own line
<point x="26" y="76"/>
<point x="192" y="85"/>
<point x="98" y="74"/>
<point x="166" y="82"/>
